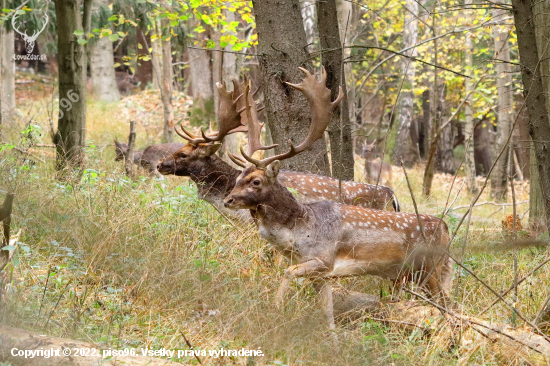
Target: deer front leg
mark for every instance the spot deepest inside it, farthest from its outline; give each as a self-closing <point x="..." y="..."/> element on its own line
<point x="311" y="267"/>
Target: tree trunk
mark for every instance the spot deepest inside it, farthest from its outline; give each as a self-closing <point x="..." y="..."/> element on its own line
<point x="71" y="133"/>
<point x="7" y="74"/>
<point x="156" y="49"/>
<point x="104" y="84"/>
<point x="445" y="141"/>
<point x="201" y="75"/>
<point x="499" y="177"/>
<point x="536" y="101"/>
<point x="308" y="18"/>
<point x="229" y="70"/>
<point x="469" y="124"/>
<point x="339" y="130"/>
<point x="281" y="46"/>
<point x="348" y="18"/>
<point x="406" y="151"/>
<point x="167" y="79"/>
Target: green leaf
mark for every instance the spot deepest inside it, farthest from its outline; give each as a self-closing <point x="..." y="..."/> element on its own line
<point x="114" y="37"/>
<point x="116" y="65"/>
<point x="9" y="247"/>
<point x="113" y="17"/>
<point x="122" y="34"/>
<point x="20" y="11"/>
<point x="210" y="44"/>
<point x="78" y="32"/>
<point x="6" y="10"/>
<point x="81" y="41"/>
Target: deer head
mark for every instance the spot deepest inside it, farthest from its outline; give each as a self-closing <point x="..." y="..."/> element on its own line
<point x="255" y="183"/>
<point x="29" y="40"/>
<point x="120" y="150"/>
<point x="367" y="150"/>
<point x="199" y="148"/>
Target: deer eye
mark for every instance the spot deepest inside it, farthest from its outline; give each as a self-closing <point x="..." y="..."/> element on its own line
<point x="256" y="182"/>
<point x="183" y="156"/>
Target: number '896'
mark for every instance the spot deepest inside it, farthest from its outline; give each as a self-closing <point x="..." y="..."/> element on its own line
<point x="66" y="103"/>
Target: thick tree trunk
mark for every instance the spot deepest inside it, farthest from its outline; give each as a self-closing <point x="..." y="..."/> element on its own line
<point x="281" y="49"/>
<point x="339" y="130"/>
<point x="499" y="176"/>
<point x="71" y="132"/>
<point x="469" y="124"/>
<point x="406" y="151"/>
<point x="445" y="143"/>
<point x="536" y="101"/>
<point x="7" y="74"/>
<point x="104" y="84"/>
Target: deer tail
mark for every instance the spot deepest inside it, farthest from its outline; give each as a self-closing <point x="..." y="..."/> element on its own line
<point x="395" y="204"/>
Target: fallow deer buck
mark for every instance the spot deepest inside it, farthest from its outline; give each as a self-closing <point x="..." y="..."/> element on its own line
<point x="215" y="178"/>
<point x="328" y="239"/>
<point x="377" y="171"/>
<point x="149" y="157"/>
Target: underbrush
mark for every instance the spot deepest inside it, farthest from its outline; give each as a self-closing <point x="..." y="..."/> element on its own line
<point x="141" y="263"/>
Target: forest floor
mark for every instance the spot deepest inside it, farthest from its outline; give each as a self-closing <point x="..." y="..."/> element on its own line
<point x="141" y="263"/>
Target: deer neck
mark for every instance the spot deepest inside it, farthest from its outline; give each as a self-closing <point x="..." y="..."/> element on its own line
<point x="137" y="156"/>
<point x="280" y="209"/>
<point x="214" y="178"/>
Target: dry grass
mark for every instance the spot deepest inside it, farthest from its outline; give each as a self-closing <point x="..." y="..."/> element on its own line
<point x="134" y="264"/>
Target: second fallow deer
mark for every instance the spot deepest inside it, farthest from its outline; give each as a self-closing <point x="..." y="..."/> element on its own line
<point x="328" y="239"/>
<point x="376" y="171"/>
<point x="149" y="157"/>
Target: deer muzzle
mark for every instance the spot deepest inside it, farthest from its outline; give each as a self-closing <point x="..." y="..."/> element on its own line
<point x="167" y="167"/>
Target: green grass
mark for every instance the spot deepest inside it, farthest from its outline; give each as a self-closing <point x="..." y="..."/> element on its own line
<point x="131" y="263"/>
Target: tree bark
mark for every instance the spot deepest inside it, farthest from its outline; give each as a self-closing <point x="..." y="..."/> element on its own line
<point x="104" y="84"/>
<point x="156" y="50"/>
<point x="71" y="134"/>
<point x="406" y="151"/>
<point x="201" y="75"/>
<point x="281" y="49"/>
<point x="7" y="74"/>
<point x="339" y="130"/>
<point x="469" y="124"/>
<point x="499" y="178"/>
<point x="535" y="99"/>
<point x="308" y="18"/>
<point x="167" y="78"/>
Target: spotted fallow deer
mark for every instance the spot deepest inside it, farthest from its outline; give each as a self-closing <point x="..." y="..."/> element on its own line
<point x="328" y="239"/>
<point x="215" y="178"/>
<point x="377" y="172"/>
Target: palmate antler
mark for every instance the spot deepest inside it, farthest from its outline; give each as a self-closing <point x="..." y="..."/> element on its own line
<point x="318" y="96"/>
<point x="229" y="119"/>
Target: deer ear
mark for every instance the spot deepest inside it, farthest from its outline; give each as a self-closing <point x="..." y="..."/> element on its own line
<point x="208" y="150"/>
<point x="273" y="169"/>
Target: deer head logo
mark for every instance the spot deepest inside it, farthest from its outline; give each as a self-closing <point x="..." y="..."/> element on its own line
<point x="29" y="40"/>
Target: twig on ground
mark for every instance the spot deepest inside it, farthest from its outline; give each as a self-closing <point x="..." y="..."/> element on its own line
<point x="190" y="346"/>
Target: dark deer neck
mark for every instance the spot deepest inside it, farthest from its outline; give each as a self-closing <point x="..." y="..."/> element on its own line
<point x="137" y="156"/>
<point x="214" y="178"/>
<point x="280" y="207"/>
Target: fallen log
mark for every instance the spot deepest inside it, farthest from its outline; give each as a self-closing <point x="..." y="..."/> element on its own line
<point x="14" y="339"/>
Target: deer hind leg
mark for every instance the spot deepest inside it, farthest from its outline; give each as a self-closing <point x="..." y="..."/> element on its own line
<point x="305" y="269"/>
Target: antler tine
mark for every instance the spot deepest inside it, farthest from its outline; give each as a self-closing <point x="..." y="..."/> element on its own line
<point x="256" y="162"/>
<point x="193" y="140"/>
<point x="237" y="160"/>
<point x="229" y="118"/>
<point x="254" y="126"/>
<point x="320" y="105"/>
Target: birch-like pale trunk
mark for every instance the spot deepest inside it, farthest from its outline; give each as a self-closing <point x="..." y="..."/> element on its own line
<point x="308" y="17"/>
<point x="156" y="53"/>
<point x="166" y="89"/>
<point x="229" y="70"/>
<point x="201" y="75"/>
<point x="7" y="73"/>
<point x="469" y="158"/>
<point x="405" y="150"/>
<point x="104" y="86"/>
<point x="499" y="177"/>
